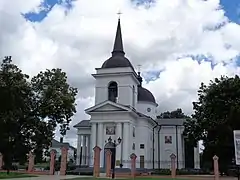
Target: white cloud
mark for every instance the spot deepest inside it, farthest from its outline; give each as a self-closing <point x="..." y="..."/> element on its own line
<point x="153" y="37"/>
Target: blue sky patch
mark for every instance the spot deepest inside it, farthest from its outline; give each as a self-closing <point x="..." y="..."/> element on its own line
<point x="232" y="9"/>
<point x="45" y="7"/>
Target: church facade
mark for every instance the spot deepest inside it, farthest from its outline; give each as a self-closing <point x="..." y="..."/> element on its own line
<point x="125" y="109"/>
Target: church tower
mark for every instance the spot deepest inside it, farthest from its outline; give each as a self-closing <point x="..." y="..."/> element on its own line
<point x="117" y="80"/>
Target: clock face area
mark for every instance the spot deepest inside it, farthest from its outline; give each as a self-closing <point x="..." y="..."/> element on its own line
<point x="148" y="109"/>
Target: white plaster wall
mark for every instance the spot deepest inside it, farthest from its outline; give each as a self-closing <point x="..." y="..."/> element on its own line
<point x="143" y="136"/>
<point x="142" y="107"/>
<point x="125" y="88"/>
<point x="167" y="149"/>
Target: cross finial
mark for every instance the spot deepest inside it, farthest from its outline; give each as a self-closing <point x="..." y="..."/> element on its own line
<point x="139" y="68"/>
<point x="119" y="14"/>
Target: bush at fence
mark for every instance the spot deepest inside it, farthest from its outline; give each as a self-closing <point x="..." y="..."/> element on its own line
<point x="181" y="172"/>
<point x="12" y="167"/>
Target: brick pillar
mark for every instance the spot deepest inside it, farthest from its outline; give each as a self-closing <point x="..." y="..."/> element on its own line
<point x="173" y="165"/>
<point x="52" y="161"/>
<point x="31" y="159"/>
<point x="215" y="166"/>
<point x="1" y="161"/>
<point x="108" y="156"/>
<point x="133" y="165"/>
<point x="96" y="163"/>
<point x="63" y="167"/>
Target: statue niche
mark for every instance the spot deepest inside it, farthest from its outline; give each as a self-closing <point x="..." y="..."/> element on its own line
<point x="112" y="91"/>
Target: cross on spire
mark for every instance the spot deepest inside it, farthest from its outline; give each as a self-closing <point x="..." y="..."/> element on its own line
<point x="139" y="68"/>
<point x="119" y="14"/>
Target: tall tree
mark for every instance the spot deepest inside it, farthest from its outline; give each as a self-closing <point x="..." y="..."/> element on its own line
<point x="30" y="110"/>
<point x="216" y="115"/>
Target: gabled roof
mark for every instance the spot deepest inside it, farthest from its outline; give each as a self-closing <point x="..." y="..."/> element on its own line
<point x="83" y="123"/>
<point x="57" y="144"/>
<point x="111" y="107"/>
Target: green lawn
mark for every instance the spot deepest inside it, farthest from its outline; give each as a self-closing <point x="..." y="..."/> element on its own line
<point x="138" y="178"/>
<point x="4" y="175"/>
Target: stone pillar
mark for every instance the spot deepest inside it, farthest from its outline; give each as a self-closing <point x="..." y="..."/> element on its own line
<point x="126" y="145"/>
<point x="31" y="159"/>
<point x="93" y="140"/>
<point x="1" y="161"/>
<point x="196" y="158"/>
<point x="79" y="144"/>
<point x="52" y="161"/>
<point x="119" y="147"/>
<point x="63" y="167"/>
<point x="108" y="155"/>
<point x="100" y="142"/>
<point x="96" y="164"/>
<point x="84" y="149"/>
<point x="173" y="165"/>
<point x="133" y="165"/>
<point x="215" y="167"/>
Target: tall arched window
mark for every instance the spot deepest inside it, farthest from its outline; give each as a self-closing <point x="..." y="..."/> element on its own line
<point x="112" y="91"/>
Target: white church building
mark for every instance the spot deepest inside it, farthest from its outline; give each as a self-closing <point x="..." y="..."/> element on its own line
<point x="124" y="108"/>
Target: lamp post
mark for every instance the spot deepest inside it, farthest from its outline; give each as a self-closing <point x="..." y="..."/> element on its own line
<point x="111" y="145"/>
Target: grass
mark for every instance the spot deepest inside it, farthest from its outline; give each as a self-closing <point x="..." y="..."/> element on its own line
<point x="138" y="178"/>
<point x="4" y="175"/>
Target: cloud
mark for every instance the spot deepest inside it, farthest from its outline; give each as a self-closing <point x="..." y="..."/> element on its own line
<point x="155" y="37"/>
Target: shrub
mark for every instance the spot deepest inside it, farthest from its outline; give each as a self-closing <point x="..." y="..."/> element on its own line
<point x="181" y="172"/>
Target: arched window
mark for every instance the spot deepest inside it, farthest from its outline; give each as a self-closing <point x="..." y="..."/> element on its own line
<point x="112" y="91"/>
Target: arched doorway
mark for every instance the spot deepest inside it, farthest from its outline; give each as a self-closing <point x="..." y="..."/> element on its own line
<point x="110" y="145"/>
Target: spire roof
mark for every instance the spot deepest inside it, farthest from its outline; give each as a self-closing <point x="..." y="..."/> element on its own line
<point x="118" y="43"/>
<point x="118" y="58"/>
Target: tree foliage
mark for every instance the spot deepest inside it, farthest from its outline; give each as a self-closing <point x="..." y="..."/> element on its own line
<point x="216" y="115"/>
<point x="31" y="109"/>
<point x="178" y="114"/>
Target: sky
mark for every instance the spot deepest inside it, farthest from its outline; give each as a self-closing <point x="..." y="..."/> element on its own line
<point x="178" y="43"/>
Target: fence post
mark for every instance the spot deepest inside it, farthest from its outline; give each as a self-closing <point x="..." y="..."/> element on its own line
<point x="173" y="165"/>
<point x="216" y="168"/>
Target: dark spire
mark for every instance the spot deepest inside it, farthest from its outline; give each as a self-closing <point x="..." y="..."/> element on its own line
<point x="139" y="79"/>
<point x="118" y="43"/>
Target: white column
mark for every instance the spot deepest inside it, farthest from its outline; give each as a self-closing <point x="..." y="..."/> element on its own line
<point x="119" y="147"/>
<point x="79" y="142"/>
<point x="84" y="149"/>
<point x="126" y="146"/>
<point x="88" y="150"/>
<point x="93" y="141"/>
<point x="100" y="142"/>
<point x="196" y="158"/>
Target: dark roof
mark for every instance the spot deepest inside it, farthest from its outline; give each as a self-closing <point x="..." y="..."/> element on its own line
<point x="83" y="123"/>
<point x="118" y="58"/>
<point x="57" y="144"/>
<point x="145" y="95"/>
<point x="171" y="122"/>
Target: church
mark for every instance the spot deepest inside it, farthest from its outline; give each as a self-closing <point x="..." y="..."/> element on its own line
<point x="125" y="109"/>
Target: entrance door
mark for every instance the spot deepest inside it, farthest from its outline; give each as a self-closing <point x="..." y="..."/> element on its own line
<point x="141" y="161"/>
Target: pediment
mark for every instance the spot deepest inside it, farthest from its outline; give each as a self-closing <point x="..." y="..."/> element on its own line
<point x="107" y="106"/>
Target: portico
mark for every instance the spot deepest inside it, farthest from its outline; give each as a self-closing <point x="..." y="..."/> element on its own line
<point x="83" y="145"/>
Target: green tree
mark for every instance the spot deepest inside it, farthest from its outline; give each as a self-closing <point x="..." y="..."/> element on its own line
<point x="178" y="114"/>
<point x="31" y="109"/>
<point x="216" y="115"/>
